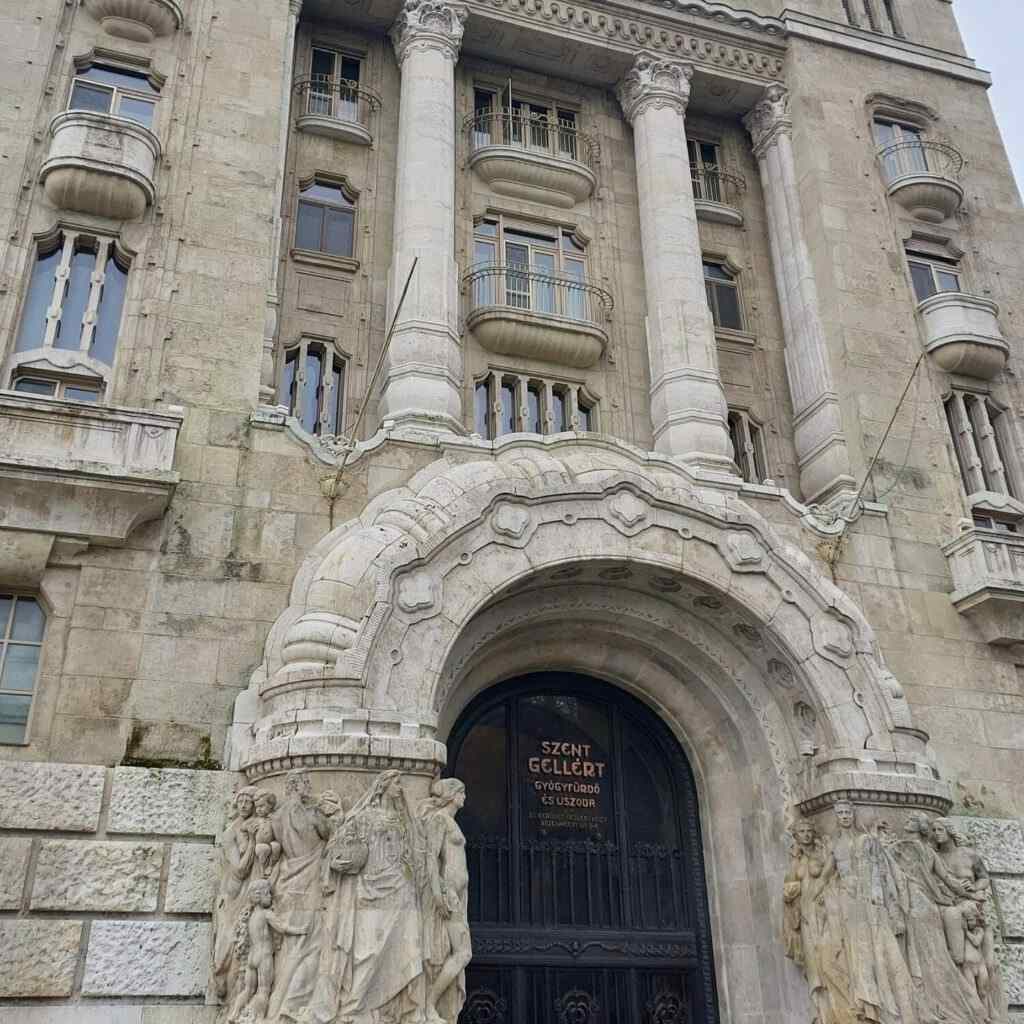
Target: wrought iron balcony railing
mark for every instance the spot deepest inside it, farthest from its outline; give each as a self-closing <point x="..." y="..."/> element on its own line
<point x="714" y="185"/>
<point x="906" y="159"/>
<point x="518" y="287"/>
<point x="337" y="98"/>
<point x="532" y="133"/>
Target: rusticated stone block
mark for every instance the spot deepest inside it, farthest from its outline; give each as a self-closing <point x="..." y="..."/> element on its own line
<point x="146" y="958"/>
<point x="63" y="797"/>
<point x="1000" y="841"/>
<point x="1012" y="958"/>
<point x="39" y="958"/>
<point x="1010" y="897"/>
<point x="83" y="875"/>
<point x="168" y="801"/>
<point x="13" y="865"/>
<point x="192" y="879"/>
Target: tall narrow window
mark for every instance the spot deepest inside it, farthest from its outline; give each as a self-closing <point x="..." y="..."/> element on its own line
<point x="313" y="386"/>
<point x="747" y="437"/>
<point x="506" y="403"/>
<point x="983" y="439"/>
<point x="705" y="168"/>
<point x="111" y="90"/>
<point x="334" y="85"/>
<point x="325" y="219"/>
<point x="723" y="296"/>
<point x="22" y="623"/>
<point x="901" y="148"/>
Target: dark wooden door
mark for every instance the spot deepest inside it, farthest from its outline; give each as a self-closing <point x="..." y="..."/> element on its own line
<point x="587" y="897"/>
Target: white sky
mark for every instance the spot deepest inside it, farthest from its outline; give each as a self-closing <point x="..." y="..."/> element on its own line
<point x="993" y="32"/>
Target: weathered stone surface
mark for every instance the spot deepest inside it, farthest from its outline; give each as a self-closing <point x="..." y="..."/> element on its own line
<point x="82" y="875"/>
<point x="146" y="958"/>
<point x="1000" y="841"/>
<point x="13" y="864"/>
<point x="50" y="796"/>
<point x="110" y="1013"/>
<point x="1010" y="897"/>
<point x="39" y="958"/>
<point x="191" y="879"/>
<point x="1013" y="973"/>
<point x="168" y="801"/>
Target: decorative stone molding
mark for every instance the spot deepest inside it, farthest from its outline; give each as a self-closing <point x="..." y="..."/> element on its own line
<point x="538" y="177"/>
<point x="654" y="82"/>
<point x="769" y="119"/>
<point x="429" y="25"/>
<point x="962" y="334"/>
<point x="100" y="164"/>
<point x="139" y="20"/>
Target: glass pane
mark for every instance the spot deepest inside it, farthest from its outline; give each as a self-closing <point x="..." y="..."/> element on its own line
<point x="508" y="410"/>
<point x="338" y="233"/>
<point x="533" y="408"/>
<point x="543" y="289"/>
<point x="308" y="225"/>
<point x="350" y="69"/>
<point x="885" y="134"/>
<point x="487" y="228"/>
<point x="322" y="65"/>
<point x="137" y="110"/>
<point x="287" y="394"/>
<point x="108" y="316"/>
<point x="708" y="154"/>
<point x="760" y="465"/>
<point x="311" y="391"/>
<point x="6" y="604"/>
<point x="13" y="717"/>
<point x="924" y="284"/>
<point x="517" y="286"/>
<point x="328" y="193"/>
<point x="576" y="302"/>
<point x="89" y="97"/>
<point x="717" y="272"/>
<point x="517" y="254"/>
<point x="480" y="403"/>
<point x="121" y="79"/>
<point x="559" y="421"/>
<point x="948" y="282"/>
<point x="586" y="420"/>
<point x="76" y="394"/>
<point x="32" y="386"/>
<point x="76" y="300"/>
<point x="28" y="620"/>
<point x="20" y="666"/>
<point x="334" y="416"/>
<point x="483" y="252"/>
<point x="728" y="308"/>
<point x="32" y="329"/>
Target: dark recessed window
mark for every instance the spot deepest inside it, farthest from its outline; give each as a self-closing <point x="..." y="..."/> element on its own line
<point x="325" y="221"/>
<point x="313" y="386"/>
<point x="723" y="296"/>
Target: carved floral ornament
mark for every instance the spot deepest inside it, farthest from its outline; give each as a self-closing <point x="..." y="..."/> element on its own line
<point x="655" y="82"/>
<point x="429" y="25"/>
<point x="769" y="119"/>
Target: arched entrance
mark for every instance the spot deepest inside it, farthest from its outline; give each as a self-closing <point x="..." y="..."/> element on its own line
<point x="587" y="892"/>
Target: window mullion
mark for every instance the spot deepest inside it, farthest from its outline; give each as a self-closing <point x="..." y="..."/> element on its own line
<point x="750" y="472"/>
<point x="522" y="404"/>
<point x="60" y="285"/>
<point x="573" y="396"/>
<point x="990" y="450"/>
<point x="495" y="403"/>
<point x="968" y="446"/>
<point x="104" y="251"/>
<point x="326" y="389"/>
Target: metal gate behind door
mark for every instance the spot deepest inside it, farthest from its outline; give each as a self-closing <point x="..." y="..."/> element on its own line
<point x="587" y="901"/>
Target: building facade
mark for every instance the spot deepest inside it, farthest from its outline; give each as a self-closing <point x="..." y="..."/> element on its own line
<point x="616" y="408"/>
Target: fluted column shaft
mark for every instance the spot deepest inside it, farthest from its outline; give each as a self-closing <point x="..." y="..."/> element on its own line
<point x="688" y="409"/>
<point x="423" y="371"/>
<point x="821" y="451"/>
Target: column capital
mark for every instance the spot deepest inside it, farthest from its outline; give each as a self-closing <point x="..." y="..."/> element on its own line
<point x="769" y="119"/>
<point x="429" y="25"/>
<point x="294" y="8"/>
<point x="654" y="81"/>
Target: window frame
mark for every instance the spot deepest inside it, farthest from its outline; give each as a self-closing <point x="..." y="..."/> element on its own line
<point x="117" y="92"/>
<point x="985" y="445"/>
<point x="351" y="196"/>
<point x="291" y="398"/>
<point x="751" y="456"/>
<point x="713" y="304"/>
<point x="6" y="642"/>
<point x="338" y="110"/>
<point x="549" y="114"/>
<point x="935" y="265"/>
<point x="60" y="383"/>
<point x="489" y="412"/>
<point x="708" y="189"/>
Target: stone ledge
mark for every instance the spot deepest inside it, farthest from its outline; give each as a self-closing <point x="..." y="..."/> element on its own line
<point x="39" y="958"/>
<point x="80" y="875"/>
<point x="55" y="797"/>
<point x="169" y="801"/>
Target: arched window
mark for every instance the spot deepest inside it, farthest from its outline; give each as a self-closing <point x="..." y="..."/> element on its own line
<point x="313" y="386"/>
<point x="326" y="218"/>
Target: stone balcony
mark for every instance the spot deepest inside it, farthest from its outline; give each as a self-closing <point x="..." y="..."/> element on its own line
<point x="533" y="158"/>
<point x="516" y="311"/>
<point x="75" y="470"/>
<point x="718" y="195"/>
<point x="100" y="164"/>
<point x="988" y="582"/>
<point x="336" y="108"/>
<point x="962" y="334"/>
<point x="922" y="177"/>
<point x="142" y="21"/>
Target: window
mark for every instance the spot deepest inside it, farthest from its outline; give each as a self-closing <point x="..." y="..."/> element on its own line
<point x="110" y="90"/>
<point x="53" y="387"/>
<point x="902" y="149"/>
<point x="705" y="170"/>
<point x="985" y="447"/>
<point x="326" y="217"/>
<point x="313" y="386"/>
<point x="509" y="403"/>
<point x="334" y="85"/>
<point x="75" y="298"/>
<point x="990" y="521"/>
<point x="542" y="126"/>
<point x="747" y="437"/>
<point x="932" y="274"/>
<point x="723" y="296"/>
<point x="22" y="622"/>
<point x="540" y="268"/>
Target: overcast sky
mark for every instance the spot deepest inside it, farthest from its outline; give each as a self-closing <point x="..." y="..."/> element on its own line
<point x="993" y="32"/>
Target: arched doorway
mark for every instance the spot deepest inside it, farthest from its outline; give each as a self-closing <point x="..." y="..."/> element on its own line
<point x="587" y="892"/>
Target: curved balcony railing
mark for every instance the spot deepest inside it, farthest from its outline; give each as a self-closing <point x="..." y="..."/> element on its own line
<point x="906" y="159"/>
<point x="714" y="185"/>
<point x="532" y="133"/>
<point x="521" y="288"/>
<point x="339" y="99"/>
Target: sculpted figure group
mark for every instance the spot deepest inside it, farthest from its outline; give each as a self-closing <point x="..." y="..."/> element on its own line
<point x="892" y="930"/>
<point x="333" y="917"/>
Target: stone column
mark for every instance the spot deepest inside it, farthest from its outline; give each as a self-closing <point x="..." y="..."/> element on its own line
<point x="821" y="450"/>
<point x="688" y="410"/>
<point x="423" y="376"/>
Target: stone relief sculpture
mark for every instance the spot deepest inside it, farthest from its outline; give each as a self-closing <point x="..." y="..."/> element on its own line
<point x="891" y="929"/>
<point x="327" y="916"/>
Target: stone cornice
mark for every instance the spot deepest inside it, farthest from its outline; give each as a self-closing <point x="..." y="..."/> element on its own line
<point x="769" y="119"/>
<point x="723" y="14"/>
<point x="429" y="25"/>
<point x="654" y="81"/>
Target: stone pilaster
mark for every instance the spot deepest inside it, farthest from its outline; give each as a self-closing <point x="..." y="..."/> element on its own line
<point x="821" y="450"/>
<point x="423" y="377"/>
<point x="688" y="409"/>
